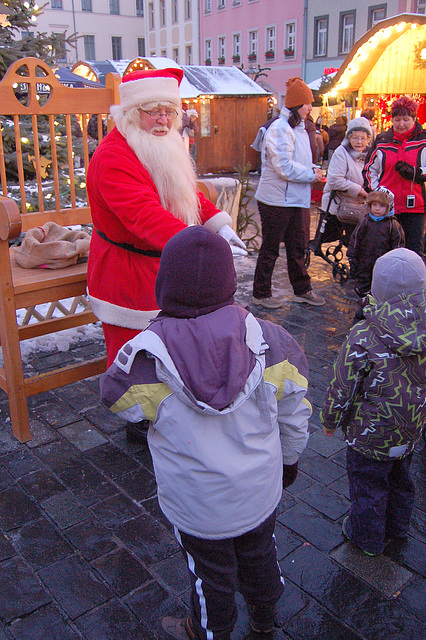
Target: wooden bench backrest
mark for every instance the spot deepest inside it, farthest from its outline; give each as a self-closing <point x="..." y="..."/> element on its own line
<point x="24" y="100"/>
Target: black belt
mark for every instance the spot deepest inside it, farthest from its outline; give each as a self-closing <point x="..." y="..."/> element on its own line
<point x="152" y="253"/>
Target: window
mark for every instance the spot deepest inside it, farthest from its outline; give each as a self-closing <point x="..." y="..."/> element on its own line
<point x="375" y="14"/>
<point x="176" y="55"/>
<point x="89" y="47"/>
<point x="188" y="10"/>
<point x="163" y="12"/>
<point x="289" y="40"/>
<point x="116" y="48"/>
<point x="421" y="6"/>
<point x="27" y="34"/>
<point x="188" y="54"/>
<point x="114" y="7"/>
<point x="151" y="15"/>
<point x="56" y="4"/>
<point x="86" y="5"/>
<point x="347" y="32"/>
<point x="141" y="47"/>
<point x="236" y="3"/>
<point x="270" y="43"/>
<point x="221" y="49"/>
<point x="139" y="8"/>
<point x="207" y="6"/>
<point x="163" y="53"/>
<point x="252" y="45"/>
<point x="60" y="47"/>
<point x="221" y="4"/>
<point x="174" y="10"/>
<point x="321" y="36"/>
<point x="207" y="51"/>
<point x="236" y="47"/>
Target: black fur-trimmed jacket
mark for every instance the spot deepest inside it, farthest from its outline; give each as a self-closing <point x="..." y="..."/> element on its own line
<point x="370" y="240"/>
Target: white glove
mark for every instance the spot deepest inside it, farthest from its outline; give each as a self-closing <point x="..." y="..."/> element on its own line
<point x="238" y="247"/>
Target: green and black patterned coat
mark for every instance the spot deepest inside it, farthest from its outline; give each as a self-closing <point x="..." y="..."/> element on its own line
<point x="378" y="391"/>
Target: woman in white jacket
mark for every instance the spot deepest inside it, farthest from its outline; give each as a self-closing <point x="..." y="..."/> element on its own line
<point x="283" y="196"/>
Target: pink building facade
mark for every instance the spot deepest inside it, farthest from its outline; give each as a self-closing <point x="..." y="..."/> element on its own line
<point x="254" y="34"/>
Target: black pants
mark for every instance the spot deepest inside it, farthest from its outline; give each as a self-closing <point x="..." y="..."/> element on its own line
<point x="218" y="568"/>
<point x="291" y="226"/>
<point x="414" y="229"/>
<point x="382" y="495"/>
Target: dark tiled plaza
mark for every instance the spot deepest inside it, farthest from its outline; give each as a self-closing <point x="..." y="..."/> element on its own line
<point x="85" y="552"/>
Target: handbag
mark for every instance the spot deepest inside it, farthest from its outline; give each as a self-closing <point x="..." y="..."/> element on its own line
<point x="350" y="210"/>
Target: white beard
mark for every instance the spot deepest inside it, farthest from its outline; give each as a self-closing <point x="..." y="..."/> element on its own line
<point x="171" y="169"/>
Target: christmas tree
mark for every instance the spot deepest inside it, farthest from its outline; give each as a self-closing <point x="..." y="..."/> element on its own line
<point x="17" y="41"/>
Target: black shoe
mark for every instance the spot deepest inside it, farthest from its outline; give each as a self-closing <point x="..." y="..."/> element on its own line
<point x="137" y="432"/>
<point x="262" y="617"/>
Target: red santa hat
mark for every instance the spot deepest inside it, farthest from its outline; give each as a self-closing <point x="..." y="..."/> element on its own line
<point x="150" y="85"/>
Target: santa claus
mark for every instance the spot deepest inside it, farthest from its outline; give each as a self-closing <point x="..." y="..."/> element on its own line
<point x="141" y="185"/>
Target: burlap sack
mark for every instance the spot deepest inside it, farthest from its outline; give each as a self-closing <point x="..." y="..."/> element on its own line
<point x="52" y="247"/>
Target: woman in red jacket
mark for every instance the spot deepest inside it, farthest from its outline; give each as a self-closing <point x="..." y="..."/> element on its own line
<point x="397" y="160"/>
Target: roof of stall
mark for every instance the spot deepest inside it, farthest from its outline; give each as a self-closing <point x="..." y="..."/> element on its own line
<point x="197" y="80"/>
<point x="386" y="58"/>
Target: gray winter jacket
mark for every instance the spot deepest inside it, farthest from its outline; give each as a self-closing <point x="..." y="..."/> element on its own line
<point x="344" y="175"/>
<point x="287" y="167"/>
<point x="226" y="395"/>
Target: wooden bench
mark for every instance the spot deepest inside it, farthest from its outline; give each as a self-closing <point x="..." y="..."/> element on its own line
<point x="30" y="94"/>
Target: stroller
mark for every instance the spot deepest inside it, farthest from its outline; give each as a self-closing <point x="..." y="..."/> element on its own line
<point x="331" y="229"/>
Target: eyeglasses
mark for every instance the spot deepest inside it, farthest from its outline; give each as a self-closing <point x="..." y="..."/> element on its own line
<point x="156" y="114"/>
<point x="358" y="139"/>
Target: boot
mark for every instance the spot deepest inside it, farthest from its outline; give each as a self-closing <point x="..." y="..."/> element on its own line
<point x="137" y="432"/>
<point x="179" y="628"/>
<point x="262" y="617"/>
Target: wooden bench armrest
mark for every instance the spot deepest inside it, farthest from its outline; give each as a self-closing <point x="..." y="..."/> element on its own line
<point x="10" y="219"/>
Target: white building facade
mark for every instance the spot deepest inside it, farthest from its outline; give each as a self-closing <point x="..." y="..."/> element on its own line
<point x="107" y="29"/>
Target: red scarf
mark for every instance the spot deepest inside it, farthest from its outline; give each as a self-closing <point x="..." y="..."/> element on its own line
<point x="402" y="137"/>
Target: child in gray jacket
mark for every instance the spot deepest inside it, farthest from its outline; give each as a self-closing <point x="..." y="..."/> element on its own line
<point x="226" y="396"/>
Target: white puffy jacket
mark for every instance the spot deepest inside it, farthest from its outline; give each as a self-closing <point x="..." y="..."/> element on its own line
<point x="287" y="167"/>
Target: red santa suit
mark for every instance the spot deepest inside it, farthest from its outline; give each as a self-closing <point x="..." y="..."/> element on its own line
<point x="131" y="228"/>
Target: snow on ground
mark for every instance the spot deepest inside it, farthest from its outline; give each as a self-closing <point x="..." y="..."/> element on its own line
<point x="61" y="340"/>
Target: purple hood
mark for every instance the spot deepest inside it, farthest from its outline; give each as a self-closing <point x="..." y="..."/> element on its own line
<point x="210" y="353"/>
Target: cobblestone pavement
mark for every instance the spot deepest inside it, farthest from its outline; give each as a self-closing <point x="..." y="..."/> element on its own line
<point x="86" y="553"/>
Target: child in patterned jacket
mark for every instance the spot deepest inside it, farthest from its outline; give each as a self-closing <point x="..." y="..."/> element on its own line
<point x="378" y="397"/>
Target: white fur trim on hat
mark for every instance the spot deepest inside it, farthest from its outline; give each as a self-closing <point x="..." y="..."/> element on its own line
<point x="146" y="90"/>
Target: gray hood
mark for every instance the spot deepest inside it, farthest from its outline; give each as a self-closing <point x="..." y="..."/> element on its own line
<point x="399" y="271"/>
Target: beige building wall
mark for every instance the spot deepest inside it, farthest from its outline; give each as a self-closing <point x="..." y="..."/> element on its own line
<point x="172" y="30"/>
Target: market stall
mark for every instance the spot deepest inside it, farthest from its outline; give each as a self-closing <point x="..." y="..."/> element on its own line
<point x="388" y="61"/>
<point x="230" y="107"/>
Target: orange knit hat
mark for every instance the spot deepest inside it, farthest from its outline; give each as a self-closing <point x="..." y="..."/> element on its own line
<point x="297" y="93"/>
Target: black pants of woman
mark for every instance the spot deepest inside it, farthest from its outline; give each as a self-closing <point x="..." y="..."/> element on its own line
<point x="414" y="229"/>
<point x="291" y="226"/>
